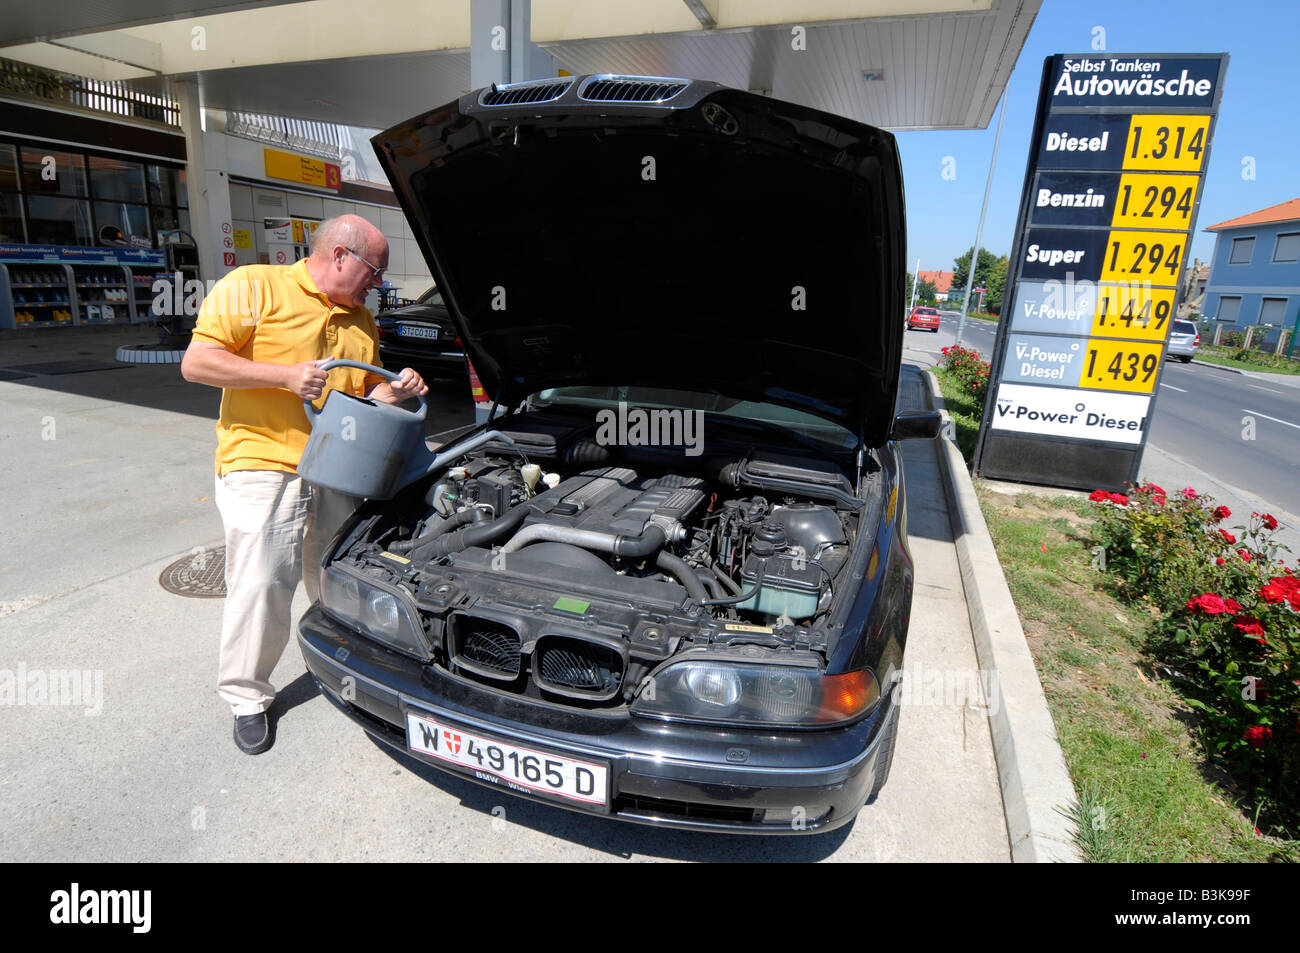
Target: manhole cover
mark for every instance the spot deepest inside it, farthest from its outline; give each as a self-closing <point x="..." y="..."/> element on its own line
<point x="200" y="575"/>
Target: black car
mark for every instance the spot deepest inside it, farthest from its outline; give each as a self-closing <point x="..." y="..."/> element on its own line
<point x="422" y="336"/>
<point x="679" y="592"/>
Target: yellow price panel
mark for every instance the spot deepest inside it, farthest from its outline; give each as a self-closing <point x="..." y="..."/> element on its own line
<point x="1121" y="365"/>
<point x="1133" y="311"/>
<point x="1155" y="201"/>
<point x="1152" y="257"/>
<point x="1160" y="143"/>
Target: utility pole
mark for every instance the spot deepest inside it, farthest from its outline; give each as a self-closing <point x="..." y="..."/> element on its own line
<point x="916" y="280"/>
<point x="979" y="231"/>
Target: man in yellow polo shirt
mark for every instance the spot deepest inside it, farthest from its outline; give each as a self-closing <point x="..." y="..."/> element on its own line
<point x="261" y="335"/>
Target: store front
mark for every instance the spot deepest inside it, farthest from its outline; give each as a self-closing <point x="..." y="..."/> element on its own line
<point x="56" y="199"/>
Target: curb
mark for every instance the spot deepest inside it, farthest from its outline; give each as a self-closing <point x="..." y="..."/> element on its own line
<point x="1037" y="794"/>
<point x="1221" y="367"/>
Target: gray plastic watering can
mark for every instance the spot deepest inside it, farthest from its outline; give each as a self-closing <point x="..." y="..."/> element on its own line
<point x="369" y="448"/>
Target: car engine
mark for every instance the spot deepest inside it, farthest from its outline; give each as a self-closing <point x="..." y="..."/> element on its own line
<point x="567" y="576"/>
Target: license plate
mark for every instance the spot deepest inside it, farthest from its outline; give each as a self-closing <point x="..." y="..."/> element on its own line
<point x="415" y="331"/>
<point x="524" y="769"/>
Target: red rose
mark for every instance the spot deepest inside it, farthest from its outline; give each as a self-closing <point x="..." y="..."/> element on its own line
<point x="1099" y="496"/>
<point x="1222" y="512"/>
<point x="1243" y="554"/>
<point x="1152" y="488"/>
<point x="1219" y="561"/>
<point x="1188" y="493"/>
<point x="1212" y="604"/>
<point x="1270" y="522"/>
<point x="1119" y="498"/>
<point x="1227" y="536"/>
<point x="1248" y="625"/>
<point x="1257" y="735"/>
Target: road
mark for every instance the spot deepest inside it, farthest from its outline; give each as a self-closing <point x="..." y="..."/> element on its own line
<point x="1243" y="430"/>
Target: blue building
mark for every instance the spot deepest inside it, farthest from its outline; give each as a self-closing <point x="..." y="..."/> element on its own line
<point x="1255" y="271"/>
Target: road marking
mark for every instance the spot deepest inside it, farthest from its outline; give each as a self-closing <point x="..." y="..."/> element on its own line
<point x="1269" y="389"/>
<point x="1274" y="419"/>
<point x="1172" y="387"/>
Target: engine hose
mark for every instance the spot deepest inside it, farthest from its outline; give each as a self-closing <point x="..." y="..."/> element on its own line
<point x="676" y="566"/>
<point x="725" y="579"/>
<point x="444" y="525"/>
<point x="744" y="597"/>
<point x="480" y="534"/>
<point x="637" y="547"/>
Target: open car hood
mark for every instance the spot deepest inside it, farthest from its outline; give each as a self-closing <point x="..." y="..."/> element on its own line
<point x="663" y="233"/>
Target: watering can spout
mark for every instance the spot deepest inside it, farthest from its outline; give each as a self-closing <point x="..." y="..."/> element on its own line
<point x="424" y="461"/>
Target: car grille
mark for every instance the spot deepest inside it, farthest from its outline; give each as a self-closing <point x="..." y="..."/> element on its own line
<point x="485" y="647"/>
<point x="630" y="90"/>
<point x="514" y="93"/>
<point x="578" y="668"/>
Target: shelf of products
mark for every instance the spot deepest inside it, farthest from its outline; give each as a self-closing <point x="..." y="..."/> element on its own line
<point x="39" y="294"/>
<point x="103" y="295"/>
<point x="142" y="281"/>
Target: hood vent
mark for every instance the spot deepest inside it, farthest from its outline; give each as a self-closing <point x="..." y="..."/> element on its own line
<point x="631" y="89"/>
<point x="510" y="94"/>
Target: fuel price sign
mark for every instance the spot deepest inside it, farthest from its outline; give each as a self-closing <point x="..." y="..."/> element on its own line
<point x="1121" y="143"/>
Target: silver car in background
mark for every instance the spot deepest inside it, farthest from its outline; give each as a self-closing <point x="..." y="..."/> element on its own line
<point x="1184" y="339"/>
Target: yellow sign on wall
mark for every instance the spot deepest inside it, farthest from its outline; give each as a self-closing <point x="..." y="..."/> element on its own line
<point x="304" y="170"/>
<point x="243" y="238"/>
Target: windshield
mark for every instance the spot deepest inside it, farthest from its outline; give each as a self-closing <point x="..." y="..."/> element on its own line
<point x="803" y="425"/>
<point x="432" y="296"/>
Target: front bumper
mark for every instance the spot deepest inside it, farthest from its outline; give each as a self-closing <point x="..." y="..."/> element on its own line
<point x="684" y="776"/>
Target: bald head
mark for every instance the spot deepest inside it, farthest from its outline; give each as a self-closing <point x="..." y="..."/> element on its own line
<point x="345" y="251"/>
<point x="350" y="231"/>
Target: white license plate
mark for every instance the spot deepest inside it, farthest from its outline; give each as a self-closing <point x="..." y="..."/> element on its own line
<point x="525" y="769"/>
<point x="414" y="331"/>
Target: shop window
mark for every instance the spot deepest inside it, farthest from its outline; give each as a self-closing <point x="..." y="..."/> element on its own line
<point x="8" y="168"/>
<point x="131" y="219"/>
<point x="115" y="180"/>
<point x="165" y="219"/>
<point x="167" y="186"/>
<point x="53" y="173"/>
<point x="1242" y="249"/>
<point x="1287" y="248"/>
<point x="55" y="220"/>
<point x="11" y="219"/>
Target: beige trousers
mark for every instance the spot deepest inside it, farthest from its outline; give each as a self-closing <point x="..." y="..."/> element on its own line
<point x="277" y="528"/>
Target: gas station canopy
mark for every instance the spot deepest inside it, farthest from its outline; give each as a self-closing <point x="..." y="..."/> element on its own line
<point x="898" y="64"/>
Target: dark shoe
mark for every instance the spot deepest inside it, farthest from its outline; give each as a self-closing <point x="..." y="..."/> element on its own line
<point x="253" y="733"/>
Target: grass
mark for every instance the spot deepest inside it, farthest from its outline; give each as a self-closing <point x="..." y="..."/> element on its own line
<point x="964" y="411"/>
<point x="1224" y="356"/>
<point x="1146" y="792"/>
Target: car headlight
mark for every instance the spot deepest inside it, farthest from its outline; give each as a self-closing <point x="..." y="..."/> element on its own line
<point x="384" y="615"/>
<point x="745" y="693"/>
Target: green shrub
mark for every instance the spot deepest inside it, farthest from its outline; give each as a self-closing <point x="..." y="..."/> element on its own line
<point x="968" y="369"/>
<point x="1228" y="623"/>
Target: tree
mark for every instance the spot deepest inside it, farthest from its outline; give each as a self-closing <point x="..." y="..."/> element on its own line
<point x="907" y="293"/>
<point x="925" y="293"/>
<point x="997" y="286"/>
<point x="983" y="271"/>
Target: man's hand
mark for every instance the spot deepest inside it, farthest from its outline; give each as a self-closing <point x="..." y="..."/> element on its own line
<point x="306" y="380"/>
<point x="408" y="384"/>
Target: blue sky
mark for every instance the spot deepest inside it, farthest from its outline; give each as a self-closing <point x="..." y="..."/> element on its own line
<point x="1259" y="117"/>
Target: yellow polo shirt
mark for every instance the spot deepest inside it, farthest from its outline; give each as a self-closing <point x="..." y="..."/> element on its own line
<point x="275" y="314"/>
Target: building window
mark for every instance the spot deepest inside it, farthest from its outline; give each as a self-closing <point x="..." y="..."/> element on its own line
<point x="131" y="219"/>
<point x="11" y="219"/>
<point x="53" y="173"/>
<point x="1272" y="310"/>
<point x="1287" y="248"/>
<point x="115" y="180"/>
<point x="167" y="186"/>
<point x="58" y="220"/>
<point x="8" y="168"/>
<point x="1229" y="308"/>
<point x="1242" y="249"/>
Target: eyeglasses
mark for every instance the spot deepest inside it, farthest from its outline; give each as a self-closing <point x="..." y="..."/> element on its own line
<point x="376" y="273"/>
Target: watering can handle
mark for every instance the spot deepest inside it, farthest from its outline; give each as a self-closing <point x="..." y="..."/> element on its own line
<point x="312" y="412"/>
